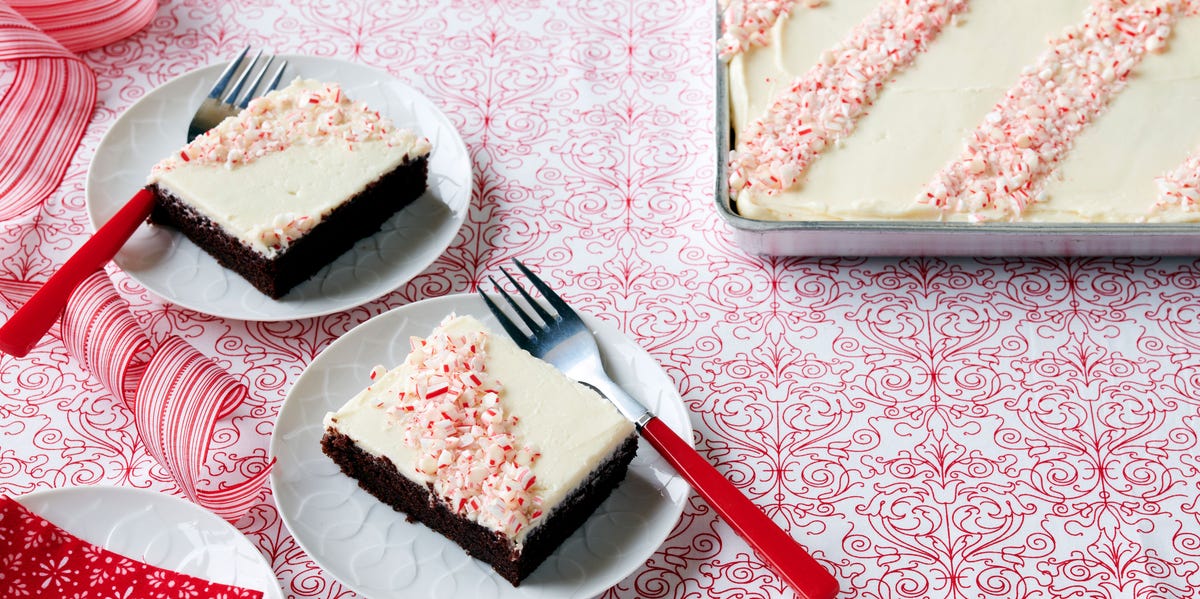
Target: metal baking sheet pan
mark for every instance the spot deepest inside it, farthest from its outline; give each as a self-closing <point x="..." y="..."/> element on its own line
<point x="880" y="238"/>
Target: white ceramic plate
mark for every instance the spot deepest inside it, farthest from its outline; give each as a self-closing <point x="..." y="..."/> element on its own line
<point x="173" y="268"/>
<point x="159" y="530"/>
<point x="372" y="549"/>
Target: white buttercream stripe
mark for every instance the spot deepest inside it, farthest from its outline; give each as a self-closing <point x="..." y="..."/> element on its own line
<point x="1181" y="185"/>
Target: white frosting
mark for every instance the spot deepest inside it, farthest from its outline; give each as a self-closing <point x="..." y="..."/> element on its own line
<point x="272" y="172"/>
<point x="572" y="427"/>
<point x="1149" y="128"/>
<point x="920" y="120"/>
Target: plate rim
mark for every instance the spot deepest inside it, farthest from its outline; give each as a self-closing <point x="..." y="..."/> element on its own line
<point x="453" y="301"/>
<point x="457" y="218"/>
<point x="147" y="497"/>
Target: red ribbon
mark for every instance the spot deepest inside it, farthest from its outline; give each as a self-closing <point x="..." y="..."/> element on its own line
<point x="176" y="393"/>
<point x="46" y="108"/>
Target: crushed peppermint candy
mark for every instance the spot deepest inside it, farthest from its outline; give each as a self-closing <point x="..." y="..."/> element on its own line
<point x="287" y="228"/>
<point x="747" y="24"/>
<point x="1180" y="187"/>
<point x="1005" y="164"/>
<point x="823" y="106"/>
<point x="306" y="112"/>
<point x="451" y="413"/>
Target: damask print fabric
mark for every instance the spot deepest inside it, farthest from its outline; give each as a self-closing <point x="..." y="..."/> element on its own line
<point x="39" y="559"/>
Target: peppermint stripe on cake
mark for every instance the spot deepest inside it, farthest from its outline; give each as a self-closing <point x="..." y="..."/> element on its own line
<point x="1181" y="186"/>
<point x="1023" y="139"/>
<point x="823" y="105"/>
<point x="747" y="24"/>
<point x="463" y="438"/>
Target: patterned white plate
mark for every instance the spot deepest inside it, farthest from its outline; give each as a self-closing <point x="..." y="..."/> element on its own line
<point x="173" y="268"/>
<point x="159" y="530"/>
<point x="372" y="549"/>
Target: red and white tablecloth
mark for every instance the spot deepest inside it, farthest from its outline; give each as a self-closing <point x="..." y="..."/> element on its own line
<point x="925" y="427"/>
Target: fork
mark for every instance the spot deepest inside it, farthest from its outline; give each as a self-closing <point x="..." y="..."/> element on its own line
<point x="216" y="108"/>
<point x="29" y="323"/>
<point x="562" y="339"/>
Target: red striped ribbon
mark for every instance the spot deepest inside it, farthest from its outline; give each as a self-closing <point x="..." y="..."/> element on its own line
<point x="105" y="337"/>
<point x="46" y="107"/>
<point x="176" y="393"/>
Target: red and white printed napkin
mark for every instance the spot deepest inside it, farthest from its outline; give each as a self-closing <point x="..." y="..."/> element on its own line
<point x="47" y="105"/>
<point x="39" y="559"/>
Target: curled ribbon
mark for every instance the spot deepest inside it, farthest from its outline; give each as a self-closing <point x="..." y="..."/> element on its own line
<point x="177" y="394"/>
<point x="46" y="108"/>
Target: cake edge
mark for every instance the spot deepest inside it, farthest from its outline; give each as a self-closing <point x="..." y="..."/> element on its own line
<point x="378" y="476"/>
<point x="358" y="218"/>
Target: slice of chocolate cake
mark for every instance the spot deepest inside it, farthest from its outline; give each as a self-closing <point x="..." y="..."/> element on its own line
<point x="483" y="443"/>
<point x="286" y="186"/>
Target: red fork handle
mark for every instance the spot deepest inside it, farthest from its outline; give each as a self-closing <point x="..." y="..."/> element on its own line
<point x="29" y="324"/>
<point x="783" y="555"/>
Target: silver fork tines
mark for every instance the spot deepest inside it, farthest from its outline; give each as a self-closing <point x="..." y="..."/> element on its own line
<point x="220" y="103"/>
<point x="223" y="81"/>
<point x="562" y="339"/>
<point x="231" y="97"/>
<point x="538" y="331"/>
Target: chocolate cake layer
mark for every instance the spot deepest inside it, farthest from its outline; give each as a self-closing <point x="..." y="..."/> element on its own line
<point x="379" y="477"/>
<point x="354" y="220"/>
